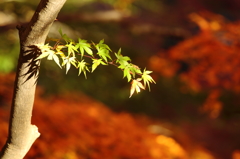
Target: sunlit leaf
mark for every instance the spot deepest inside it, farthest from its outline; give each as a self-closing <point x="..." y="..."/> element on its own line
<point x="127" y="73"/>
<point x="83" y="68"/>
<point x="136" y="69"/>
<point x="83" y="46"/>
<point x="102" y="45"/>
<point x="68" y="65"/>
<point x="71" y="49"/>
<point x="68" y="61"/>
<point x="60" y="47"/>
<point x="45" y="51"/>
<point x="88" y="50"/>
<point x="104" y="54"/>
<point x="56" y="59"/>
<point x="59" y="51"/>
<point x="43" y="55"/>
<point x="122" y="60"/>
<point x="103" y="50"/>
<point x="136" y="86"/>
<point x="147" y="78"/>
<point x="96" y="63"/>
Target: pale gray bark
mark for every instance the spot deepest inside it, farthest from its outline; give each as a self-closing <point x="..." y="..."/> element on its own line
<point x="22" y="133"/>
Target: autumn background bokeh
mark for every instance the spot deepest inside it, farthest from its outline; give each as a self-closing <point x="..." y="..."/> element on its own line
<point x="192" y="112"/>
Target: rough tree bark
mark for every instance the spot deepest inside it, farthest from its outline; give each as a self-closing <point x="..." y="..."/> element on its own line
<point x="22" y="133"/>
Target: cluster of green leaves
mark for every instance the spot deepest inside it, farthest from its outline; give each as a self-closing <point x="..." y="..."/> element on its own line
<point x="72" y="53"/>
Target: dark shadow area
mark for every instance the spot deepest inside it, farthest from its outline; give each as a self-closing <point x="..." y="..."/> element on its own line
<point x="29" y="56"/>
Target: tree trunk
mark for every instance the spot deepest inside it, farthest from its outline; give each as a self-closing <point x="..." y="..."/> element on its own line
<point x="22" y="133"/>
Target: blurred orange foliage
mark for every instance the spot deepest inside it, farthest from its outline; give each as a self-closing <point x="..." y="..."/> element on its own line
<point x="209" y="60"/>
<point x="212" y="56"/>
<point x="73" y="126"/>
<point x="236" y="154"/>
<point x="212" y="105"/>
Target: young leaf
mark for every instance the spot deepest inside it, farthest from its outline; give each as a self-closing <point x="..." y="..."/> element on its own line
<point x="103" y="51"/>
<point x="102" y="45"/>
<point x="84" y="46"/>
<point x="59" y="51"/>
<point x="136" y="86"/>
<point x="68" y="61"/>
<point x="122" y="60"/>
<point x="53" y="56"/>
<point x="45" y="51"/>
<point x="50" y="54"/>
<point x="126" y="73"/>
<point x="104" y="54"/>
<point x="71" y="49"/>
<point x="147" y="78"/>
<point x="96" y="63"/>
<point x="136" y="69"/>
<point x="43" y="55"/>
<point x="83" y="68"/>
<point x="56" y="59"/>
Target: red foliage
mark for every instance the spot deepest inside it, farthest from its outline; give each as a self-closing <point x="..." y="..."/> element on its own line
<point x="211" y="59"/>
<point x="75" y="126"/>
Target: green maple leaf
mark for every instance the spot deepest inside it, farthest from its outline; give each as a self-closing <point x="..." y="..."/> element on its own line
<point x="96" y="63"/>
<point x="83" y="46"/>
<point x="71" y="49"/>
<point x="126" y="73"/>
<point x="122" y="60"/>
<point x="83" y="68"/>
<point x="103" y="50"/>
